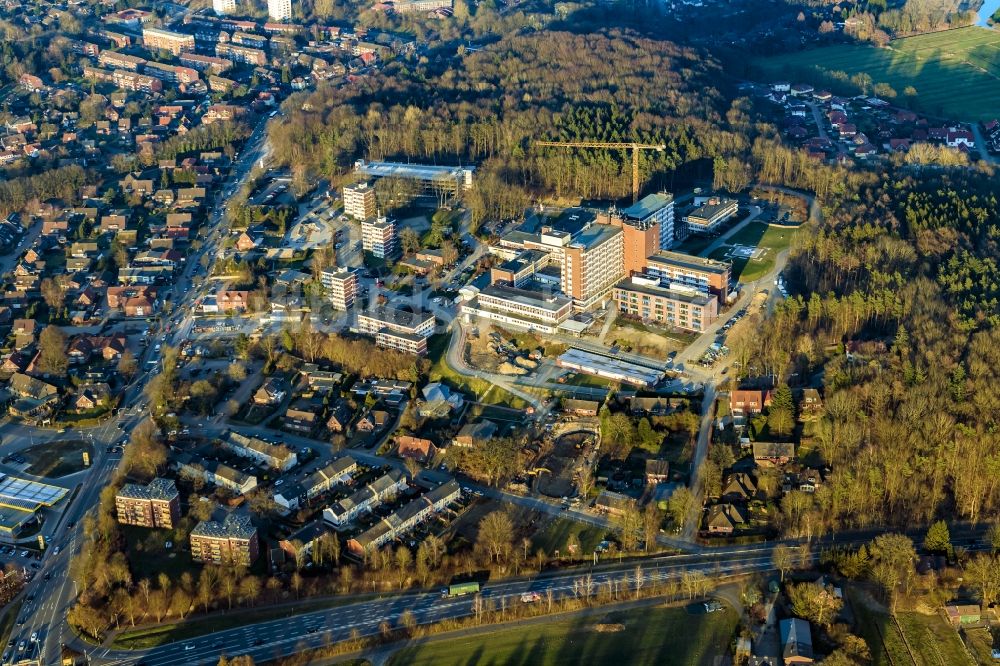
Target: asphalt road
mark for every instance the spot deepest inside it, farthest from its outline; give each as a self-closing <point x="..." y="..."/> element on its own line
<point x="45" y="616"/>
<point x="290" y="634"/>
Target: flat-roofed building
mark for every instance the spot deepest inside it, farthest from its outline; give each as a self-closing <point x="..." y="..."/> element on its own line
<point x="157" y="504"/>
<point x="222" y="7"/>
<point x="706" y="275"/>
<point x="359" y="201"/>
<point x="520" y="308"/>
<point x="231" y="542"/>
<point x="648" y="226"/>
<point x="520" y="269"/>
<point x="707" y="217"/>
<point x="341" y="287"/>
<point x="397" y="329"/>
<point x="592" y="262"/>
<point x="279" y="10"/>
<point x="609" y="367"/>
<point x="174" y="42"/>
<point x="378" y="236"/>
<point x="435" y="178"/>
<point x="683" y="307"/>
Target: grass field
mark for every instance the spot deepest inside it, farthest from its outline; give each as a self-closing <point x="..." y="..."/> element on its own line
<point x="755" y="234"/>
<point x="555" y="535"/>
<point x="650" y="636"/>
<point x="56" y="458"/>
<point x="956" y="73"/>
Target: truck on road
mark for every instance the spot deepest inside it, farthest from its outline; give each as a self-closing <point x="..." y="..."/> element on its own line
<point x="460" y="589"/>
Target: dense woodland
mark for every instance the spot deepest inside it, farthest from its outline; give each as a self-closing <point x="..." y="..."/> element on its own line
<point x="902" y="272"/>
<point x="491" y="107"/>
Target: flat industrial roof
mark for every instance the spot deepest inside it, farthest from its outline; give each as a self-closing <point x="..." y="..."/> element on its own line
<point x="534" y="299"/>
<point x="612" y="368"/>
<point x="594" y="235"/>
<point x="664" y="292"/>
<point x="648" y="205"/>
<point x="418" y="171"/>
<point x="690" y="262"/>
<point x="28" y="495"/>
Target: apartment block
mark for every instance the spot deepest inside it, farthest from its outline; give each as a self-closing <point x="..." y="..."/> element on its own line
<point x="684" y="308"/>
<point x="204" y="63"/>
<point x="378" y="236"/>
<point x="137" y="82"/>
<point x="359" y="201"/>
<point x="174" y="42"/>
<point x="276" y="456"/>
<point x="707" y="217"/>
<point x="232" y="542"/>
<point x="222" y="7"/>
<point x="279" y="10"/>
<point x="115" y="60"/>
<point x="398" y="329"/>
<point x="157" y="504"/>
<point x="341" y="287"/>
<point x="243" y="54"/>
<point x="706" y="275"/>
<point x="592" y="262"/>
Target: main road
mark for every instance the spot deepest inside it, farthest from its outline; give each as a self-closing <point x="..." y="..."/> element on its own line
<point x="295" y="633"/>
<point x="52" y="591"/>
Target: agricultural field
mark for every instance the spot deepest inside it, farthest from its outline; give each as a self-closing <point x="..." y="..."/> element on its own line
<point x="913" y="638"/>
<point x="956" y="73"/>
<point x="640" y="637"/>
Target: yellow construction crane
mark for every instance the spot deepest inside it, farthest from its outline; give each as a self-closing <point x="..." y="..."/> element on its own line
<point x="634" y="147"/>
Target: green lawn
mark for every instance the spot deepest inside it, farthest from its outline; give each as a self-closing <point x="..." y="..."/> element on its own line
<point x="556" y="534"/>
<point x="955" y="72"/>
<point x="650" y="636"/>
<point x="57" y="458"/>
<point x="756" y="234"/>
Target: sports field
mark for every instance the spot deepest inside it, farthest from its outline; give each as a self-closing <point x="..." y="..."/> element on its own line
<point x="956" y="73"/>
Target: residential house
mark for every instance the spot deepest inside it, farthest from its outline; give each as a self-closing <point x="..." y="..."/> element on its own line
<point x="92" y="396"/>
<point x="340" y="470"/>
<point x="271" y="392"/>
<point x="612" y="503"/>
<point x="579" y="407"/>
<point x="744" y="403"/>
<point x="775" y="453"/>
<point x="417" y="448"/>
<point x="796" y="641"/>
<point x="475" y="432"/>
<point x="657" y="471"/>
<point x="739" y="486"/>
<point x="340" y="416"/>
<point x="724" y="519"/>
<point x="372" y="420"/>
<point x="35" y="398"/>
